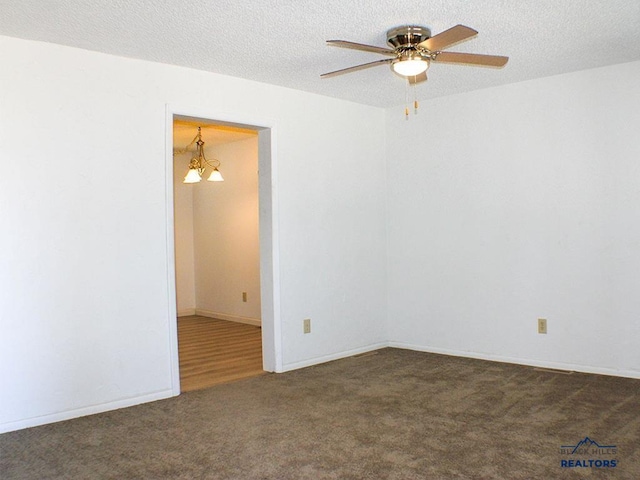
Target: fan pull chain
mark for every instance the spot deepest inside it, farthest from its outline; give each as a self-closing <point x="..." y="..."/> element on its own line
<point x="406" y="100"/>
<point x="416" y="105"/>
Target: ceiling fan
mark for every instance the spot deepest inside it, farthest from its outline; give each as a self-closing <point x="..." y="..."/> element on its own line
<point x="413" y="50"/>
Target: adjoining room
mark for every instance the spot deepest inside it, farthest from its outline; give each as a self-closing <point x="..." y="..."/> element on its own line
<point x="217" y="252"/>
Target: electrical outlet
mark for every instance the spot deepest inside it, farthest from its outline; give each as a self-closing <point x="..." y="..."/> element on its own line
<point x="306" y="325"/>
<point x="542" y="325"/>
<point x="244" y="296"/>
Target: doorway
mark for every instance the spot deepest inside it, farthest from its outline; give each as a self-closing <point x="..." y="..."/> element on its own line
<point x="234" y="298"/>
<point x="217" y="253"/>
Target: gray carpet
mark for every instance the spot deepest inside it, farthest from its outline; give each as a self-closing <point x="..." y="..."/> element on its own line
<point x="393" y="414"/>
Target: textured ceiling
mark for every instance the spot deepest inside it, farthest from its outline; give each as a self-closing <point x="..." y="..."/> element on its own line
<point x="282" y="42"/>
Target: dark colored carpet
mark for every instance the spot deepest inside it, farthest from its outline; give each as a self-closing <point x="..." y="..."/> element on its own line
<point x="393" y="414"/>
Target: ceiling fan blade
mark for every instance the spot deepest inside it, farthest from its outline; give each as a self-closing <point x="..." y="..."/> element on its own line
<point x="356" y="67"/>
<point x="448" y="38"/>
<point x="418" y="78"/>
<point x="471" y="59"/>
<point x="361" y="46"/>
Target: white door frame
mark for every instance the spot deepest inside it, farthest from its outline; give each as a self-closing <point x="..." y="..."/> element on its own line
<point x="268" y="221"/>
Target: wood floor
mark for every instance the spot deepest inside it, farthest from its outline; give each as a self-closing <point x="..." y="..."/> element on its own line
<point x="217" y="351"/>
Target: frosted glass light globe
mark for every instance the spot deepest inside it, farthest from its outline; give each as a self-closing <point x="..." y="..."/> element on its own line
<point x="410" y="67"/>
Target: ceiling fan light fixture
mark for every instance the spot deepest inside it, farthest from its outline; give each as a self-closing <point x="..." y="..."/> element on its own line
<point x="411" y="66"/>
<point x="413" y="48"/>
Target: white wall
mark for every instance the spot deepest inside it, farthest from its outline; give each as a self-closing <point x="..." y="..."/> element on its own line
<point x="183" y="222"/>
<point x="227" y="260"/>
<point x="514" y="203"/>
<point x="84" y="293"/>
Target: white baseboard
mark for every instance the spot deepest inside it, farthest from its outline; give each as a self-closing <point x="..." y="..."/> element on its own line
<point x="231" y="318"/>
<point x="334" y="356"/>
<point x="81" y="412"/>
<point x="519" y="361"/>
<point x="187" y="312"/>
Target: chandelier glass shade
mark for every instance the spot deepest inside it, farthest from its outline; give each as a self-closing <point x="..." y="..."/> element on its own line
<point x="192" y="176"/>
<point x="215" y="176"/>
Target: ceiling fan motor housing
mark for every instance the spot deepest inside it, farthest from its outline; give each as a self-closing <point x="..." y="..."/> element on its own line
<point x="407" y="36"/>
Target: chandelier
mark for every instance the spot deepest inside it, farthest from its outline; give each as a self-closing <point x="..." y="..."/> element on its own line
<point x="199" y="162"/>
